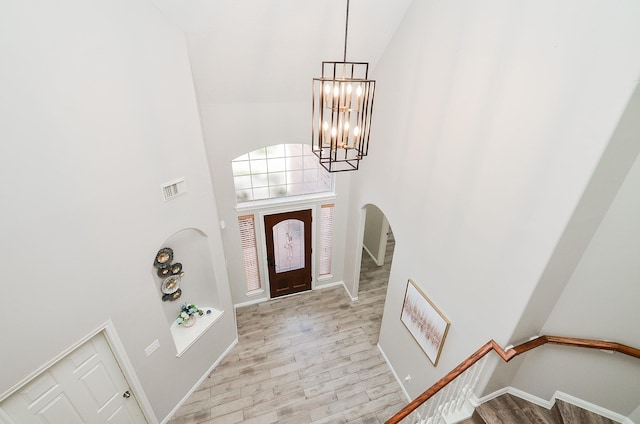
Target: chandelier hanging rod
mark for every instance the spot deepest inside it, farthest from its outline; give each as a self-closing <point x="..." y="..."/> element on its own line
<point x="346" y="33"/>
<point x="342" y="103"/>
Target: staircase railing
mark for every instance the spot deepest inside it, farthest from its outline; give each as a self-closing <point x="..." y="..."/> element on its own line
<point x="428" y="408"/>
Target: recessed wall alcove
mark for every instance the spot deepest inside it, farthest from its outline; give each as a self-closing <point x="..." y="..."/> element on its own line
<point x="198" y="284"/>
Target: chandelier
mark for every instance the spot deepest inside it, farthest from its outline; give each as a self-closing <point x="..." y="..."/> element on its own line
<point x="342" y="105"/>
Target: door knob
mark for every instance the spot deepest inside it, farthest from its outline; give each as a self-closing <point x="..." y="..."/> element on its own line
<point x="126" y="394"/>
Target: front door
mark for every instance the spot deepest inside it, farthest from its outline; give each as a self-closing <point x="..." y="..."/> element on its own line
<point x="86" y="386"/>
<point x="288" y="238"/>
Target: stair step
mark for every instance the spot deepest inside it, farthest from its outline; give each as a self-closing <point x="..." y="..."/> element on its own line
<point x="509" y="409"/>
<point x="572" y="414"/>
<point x="474" y="419"/>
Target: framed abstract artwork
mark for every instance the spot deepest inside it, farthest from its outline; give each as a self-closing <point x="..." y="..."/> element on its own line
<point x="425" y="322"/>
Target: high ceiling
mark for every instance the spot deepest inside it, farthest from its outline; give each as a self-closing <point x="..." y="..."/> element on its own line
<point x="269" y="50"/>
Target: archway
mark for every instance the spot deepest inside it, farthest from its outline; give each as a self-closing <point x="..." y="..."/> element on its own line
<point x="378" y="244"/>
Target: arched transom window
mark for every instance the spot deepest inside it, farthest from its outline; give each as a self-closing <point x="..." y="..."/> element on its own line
<point x="279" y="171"/>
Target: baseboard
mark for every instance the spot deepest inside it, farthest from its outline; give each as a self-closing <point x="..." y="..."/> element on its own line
<point x="335" y="284"/>
<point x="317" y="287"/>
<point x="371" y="255"/>
<point x="406" y="394"/>
<point x="548" y="404"/>
<point x="328" y="285"/>
<point x="613" y="416"/>
<point x="493" y="395"/>
<point x="199" y="382"/>
<point x="251" y="302"/>
<point x="353" y="298"/>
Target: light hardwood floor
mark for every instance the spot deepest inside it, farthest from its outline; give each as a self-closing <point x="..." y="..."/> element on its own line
<point x="308" y="358"/>
<point x="509" y="409"/>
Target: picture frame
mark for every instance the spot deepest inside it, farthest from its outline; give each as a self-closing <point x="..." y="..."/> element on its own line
<point x="425" y="322"/>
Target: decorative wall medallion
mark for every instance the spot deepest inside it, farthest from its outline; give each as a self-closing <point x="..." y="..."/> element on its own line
<point x="170" y="273"/>
<point x="173" y="296"/>
<point x="163" y="258"/>
<point x="176" y="268"/>
<point x="170" y="284"/>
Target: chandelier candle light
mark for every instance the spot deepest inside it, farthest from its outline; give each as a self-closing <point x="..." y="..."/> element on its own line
<point x="341" y="112"/>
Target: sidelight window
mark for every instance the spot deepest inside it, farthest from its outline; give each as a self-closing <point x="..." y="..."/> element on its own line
<point x="326" y="239"/>
<point x="249" y="251"/>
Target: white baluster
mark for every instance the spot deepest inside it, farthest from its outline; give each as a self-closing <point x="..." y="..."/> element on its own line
<point x="434" y="408"/>
<point x="440" y="415"/>
<point x="447" y="398"/>
<point x="462" y="398"/>
<point x="420" y="413"/>
<point x="453" y="400"/>
<point x="431" y="403"/>
<point x="478" y="372"/>
<point x="443" y="400"/>
<point x="468" y="375"/>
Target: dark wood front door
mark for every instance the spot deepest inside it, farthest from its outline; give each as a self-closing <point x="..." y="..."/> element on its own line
<point x="288" y="237"/>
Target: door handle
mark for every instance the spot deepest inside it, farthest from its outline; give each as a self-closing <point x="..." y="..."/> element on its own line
<point x="126" y="394"/>
<point x="270" y="262"/>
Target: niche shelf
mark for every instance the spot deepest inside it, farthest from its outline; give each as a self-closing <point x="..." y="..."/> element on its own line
<point x="183" y="338"/>
<point x="197" y="285"/>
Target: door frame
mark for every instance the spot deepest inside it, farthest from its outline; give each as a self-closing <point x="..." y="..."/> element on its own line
<point x="358" y="252"/>
<point x="109" y="332"/>
<point x="263" y="244"/>
<point x="305" y="216"/>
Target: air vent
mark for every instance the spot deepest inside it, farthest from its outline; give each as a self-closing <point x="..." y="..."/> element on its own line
<point x="173" y="188"/>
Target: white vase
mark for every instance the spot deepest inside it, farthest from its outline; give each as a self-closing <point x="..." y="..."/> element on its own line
<point x="189" y="322"/>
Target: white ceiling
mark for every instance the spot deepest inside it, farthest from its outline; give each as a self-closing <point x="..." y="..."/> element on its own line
<point x="269" y="50"/>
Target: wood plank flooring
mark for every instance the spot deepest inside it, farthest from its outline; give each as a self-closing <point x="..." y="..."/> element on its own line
<point x="308" y="358"/>
<point x="509" y="409"/>
<point x="571" y="414"/>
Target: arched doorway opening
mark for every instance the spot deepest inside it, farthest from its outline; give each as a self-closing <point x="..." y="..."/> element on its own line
<point x="378" y="244"/>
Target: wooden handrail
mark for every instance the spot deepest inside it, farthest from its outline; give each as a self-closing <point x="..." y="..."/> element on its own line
<point x="506" y="356"/>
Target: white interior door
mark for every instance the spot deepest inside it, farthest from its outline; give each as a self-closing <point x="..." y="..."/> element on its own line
<point x="86" y="386"/>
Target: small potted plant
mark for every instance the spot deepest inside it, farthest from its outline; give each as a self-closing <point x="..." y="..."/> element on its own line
<point x="188" y="313"/>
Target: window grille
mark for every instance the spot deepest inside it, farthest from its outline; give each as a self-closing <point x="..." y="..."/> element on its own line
<point x="279" y="171"/>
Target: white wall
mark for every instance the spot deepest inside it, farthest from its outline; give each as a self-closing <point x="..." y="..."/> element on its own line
<point x="233" y="129"/>
<point x="635" y="415"/>
<point x="375" y="234"/>
<point x="490" y="119"/>
<point x="569" y="257"/>
<point x="97" y="110"/>
<point x="599" y="301"/>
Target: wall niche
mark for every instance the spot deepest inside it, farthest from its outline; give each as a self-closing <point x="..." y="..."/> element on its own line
<point x="183" y="274"/>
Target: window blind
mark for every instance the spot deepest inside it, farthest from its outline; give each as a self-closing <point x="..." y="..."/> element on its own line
<point x="249" y="251"/>
<point x="326" y="238"/>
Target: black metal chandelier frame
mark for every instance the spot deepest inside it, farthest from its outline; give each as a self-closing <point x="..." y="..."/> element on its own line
<point x="342" y="106"/>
